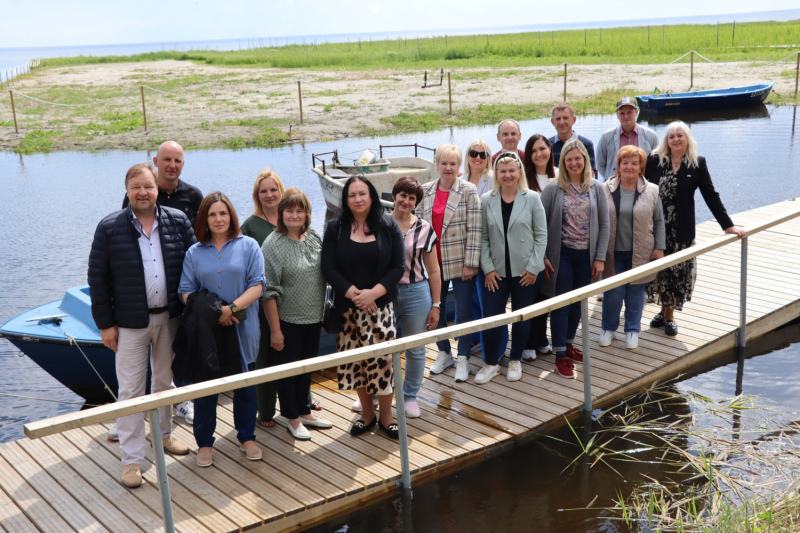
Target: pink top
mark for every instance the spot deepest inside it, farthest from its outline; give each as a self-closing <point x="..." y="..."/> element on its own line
<point x="629" y="139"/>
<point x="437" y="218"/>
<point x="419" y="238"/>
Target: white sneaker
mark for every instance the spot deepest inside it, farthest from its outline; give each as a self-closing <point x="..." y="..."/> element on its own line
<point x="486" y="374"/>
<point x="632" y="340"/>
<point x="357" y="404"/>
<point x="462" y="369"/>
<point x="605" y="338"/>
<point x="443" y="360"/>
<point x="529" y="355"/>
<point x="475" y="348"/>
<point x="599" y="297"/>
<point x="186" y="410"/>
<point x="113" y="434"/>
<point x="514" y="371"/>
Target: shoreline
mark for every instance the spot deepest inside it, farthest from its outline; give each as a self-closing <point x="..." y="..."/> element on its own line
<point x="208" y="107"/>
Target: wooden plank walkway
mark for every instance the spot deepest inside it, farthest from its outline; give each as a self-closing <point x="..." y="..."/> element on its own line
<point x="70" y="481"/>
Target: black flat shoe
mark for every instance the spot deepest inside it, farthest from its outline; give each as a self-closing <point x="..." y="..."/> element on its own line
<point x="671" y="328"/>
<point x="658" y="321"/>
<point x="361" y="427"/>
<point x="393" y="431"/>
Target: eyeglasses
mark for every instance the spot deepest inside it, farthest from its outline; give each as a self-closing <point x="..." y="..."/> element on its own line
<point x="475" y="153"/>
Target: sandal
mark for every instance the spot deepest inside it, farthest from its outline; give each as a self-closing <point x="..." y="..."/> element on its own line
<point x="265" y="423"/>
<point x="315" y="405"/>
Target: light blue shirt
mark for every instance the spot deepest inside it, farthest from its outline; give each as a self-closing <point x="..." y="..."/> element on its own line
<point x="155" y="277"/>
<point x="228" y="273"/>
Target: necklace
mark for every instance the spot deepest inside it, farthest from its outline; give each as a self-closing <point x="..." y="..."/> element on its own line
<point x="626" y="192"/>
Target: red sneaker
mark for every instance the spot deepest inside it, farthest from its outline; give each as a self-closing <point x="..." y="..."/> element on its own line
<point x="564" y="367"/>
<point x="574" y="354"/>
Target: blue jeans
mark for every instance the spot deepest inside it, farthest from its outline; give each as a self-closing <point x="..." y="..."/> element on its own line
<point x="462" y="290"/>
<point x="495" y="304"/>
<point x="413" y="305"/>
<point x="631" y="295"/>
<point x="477" y="312"/>
<point x="574" y="272"/>
<point x="244" y="415"/>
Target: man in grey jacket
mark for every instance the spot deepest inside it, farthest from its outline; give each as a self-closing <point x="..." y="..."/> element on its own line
<point x="628" y="132"/>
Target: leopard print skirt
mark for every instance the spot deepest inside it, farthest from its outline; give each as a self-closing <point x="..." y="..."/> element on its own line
<point x="362" y="329"/>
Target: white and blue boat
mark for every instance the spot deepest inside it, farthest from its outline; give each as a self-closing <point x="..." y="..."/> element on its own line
<point x="750" y="95"/>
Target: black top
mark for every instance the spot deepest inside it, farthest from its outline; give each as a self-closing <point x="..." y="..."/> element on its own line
<point x="364" y="256"/>
<point x="185" y="198"/>
<point x="506" y="208"/>
<point x="689" y="180"/>
<point x="338" y="265"/>
<point x="558" y="144"/>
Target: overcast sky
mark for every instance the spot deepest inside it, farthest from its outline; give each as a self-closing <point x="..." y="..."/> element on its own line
<point x="29" y="23"/>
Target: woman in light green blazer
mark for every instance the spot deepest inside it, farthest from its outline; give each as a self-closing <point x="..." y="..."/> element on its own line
<point x="513" y="243"/>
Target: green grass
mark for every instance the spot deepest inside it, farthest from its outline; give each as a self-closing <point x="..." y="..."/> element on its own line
<point x="267" y="138"/>
<point x="36" y="142"/>
<point x="114" y="122"/>
<point x="656" y="44"/>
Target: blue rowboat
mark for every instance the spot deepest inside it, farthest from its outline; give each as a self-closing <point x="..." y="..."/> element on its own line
<point x="711" y="99"/>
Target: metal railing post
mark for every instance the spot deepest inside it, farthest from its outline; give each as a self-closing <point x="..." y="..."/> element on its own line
<point x="741" y="334"/>
<point x="161" y="469"/>
<point x="587" y="360"/>
<point x="405" y="468"/>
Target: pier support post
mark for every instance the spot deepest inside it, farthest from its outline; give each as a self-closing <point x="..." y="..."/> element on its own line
<point x="741" y="334"/>
<point x="161" y="470"/>
<point x="405" y="468"/>
<point x="587" y="364"/>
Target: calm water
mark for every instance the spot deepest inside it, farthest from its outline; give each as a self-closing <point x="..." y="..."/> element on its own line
<point x="51" y="203"/>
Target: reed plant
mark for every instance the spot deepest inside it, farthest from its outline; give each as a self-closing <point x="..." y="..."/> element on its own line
<point x="644" y="44"/>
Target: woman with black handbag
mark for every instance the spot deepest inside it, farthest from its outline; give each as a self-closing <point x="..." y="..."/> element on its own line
<point x="362" y="258"/>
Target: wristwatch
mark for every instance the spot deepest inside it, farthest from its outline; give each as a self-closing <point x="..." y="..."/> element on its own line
<point x="437" y="305"/>
<point x="233" y="307"/>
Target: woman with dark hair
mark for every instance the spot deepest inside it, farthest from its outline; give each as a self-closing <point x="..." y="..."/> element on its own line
<point x="363" y="259"/>
<point x="679" y="171"/>
<point x="452" y="207"/>
<point x="419" y="291"/>
<point x="294" y="301"/>
<point x="540" y="169"/>
<point x="225" y="262"/>
<point x="577" y="240"/>
<point x="636" y="237"/>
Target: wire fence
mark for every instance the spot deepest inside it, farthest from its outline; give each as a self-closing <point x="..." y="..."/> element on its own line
<point x="550" y="74"/>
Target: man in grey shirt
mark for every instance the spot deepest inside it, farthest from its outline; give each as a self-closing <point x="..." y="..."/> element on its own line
<point x="628" y="132"/>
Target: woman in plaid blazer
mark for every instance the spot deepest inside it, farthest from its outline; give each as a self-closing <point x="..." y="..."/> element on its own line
<point x="453" y="208"/>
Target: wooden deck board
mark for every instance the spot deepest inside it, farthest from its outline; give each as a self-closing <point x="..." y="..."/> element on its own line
<point x="71" y="481"/>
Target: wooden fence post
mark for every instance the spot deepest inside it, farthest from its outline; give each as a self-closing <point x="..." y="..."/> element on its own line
<point x="565" y="82"/>
<point x="733" y="37"/>
<point x="144" y="109"/>
<point x="300" y="96"/>
<point x="691" y="79"/>
<point x="449" y="93"/>
<point x="797" y="74"/>
<point x="13" y="110"/>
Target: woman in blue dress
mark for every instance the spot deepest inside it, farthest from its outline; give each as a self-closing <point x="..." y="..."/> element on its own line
<point x="225" y="262"/>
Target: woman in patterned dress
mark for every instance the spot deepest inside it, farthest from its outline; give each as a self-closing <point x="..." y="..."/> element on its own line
<point x="363" y="258"/>
<point x="294" y="302"/>
<point x="678" y="171"/>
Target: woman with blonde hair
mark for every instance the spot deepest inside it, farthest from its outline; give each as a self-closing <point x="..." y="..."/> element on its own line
<point x="577" y="240"/>
<point x="453" y="208"/>
<point x="678" y="171"/>
<point x="513" y="241"/>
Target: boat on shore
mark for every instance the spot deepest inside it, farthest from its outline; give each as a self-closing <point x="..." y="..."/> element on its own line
<point x="750" y="95"/>
<point x="382" y="172"/>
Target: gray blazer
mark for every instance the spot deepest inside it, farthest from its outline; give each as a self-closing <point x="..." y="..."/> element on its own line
<point x="552" y="201"/>
<point x="608" y="147"/>
<point x="527" y="234"/>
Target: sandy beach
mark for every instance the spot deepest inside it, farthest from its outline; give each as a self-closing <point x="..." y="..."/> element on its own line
<point x="208" y="105"/>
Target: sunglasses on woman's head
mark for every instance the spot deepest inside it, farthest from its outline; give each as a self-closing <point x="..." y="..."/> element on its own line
<point x="475" y="153"/>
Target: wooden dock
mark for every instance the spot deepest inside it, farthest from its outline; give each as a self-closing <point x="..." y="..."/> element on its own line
<point x="70" y="481"/>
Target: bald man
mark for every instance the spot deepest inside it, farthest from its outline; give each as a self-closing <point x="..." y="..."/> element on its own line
<point x="172" y="192"/>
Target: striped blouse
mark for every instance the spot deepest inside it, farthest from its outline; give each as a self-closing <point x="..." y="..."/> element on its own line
<point x="419" y="238"/>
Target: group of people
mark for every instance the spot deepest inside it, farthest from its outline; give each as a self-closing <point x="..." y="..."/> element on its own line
<point x="174" y="269"/>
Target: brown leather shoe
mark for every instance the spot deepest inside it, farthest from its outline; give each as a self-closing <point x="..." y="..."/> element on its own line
<point x="131" y="476"/>
<point x="251" y="450"/>
<point x="175" y="446"/>
<point x="204" y="458"/>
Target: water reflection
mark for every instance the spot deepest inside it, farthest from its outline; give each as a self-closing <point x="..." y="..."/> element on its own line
<point x="693" y="117"/>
